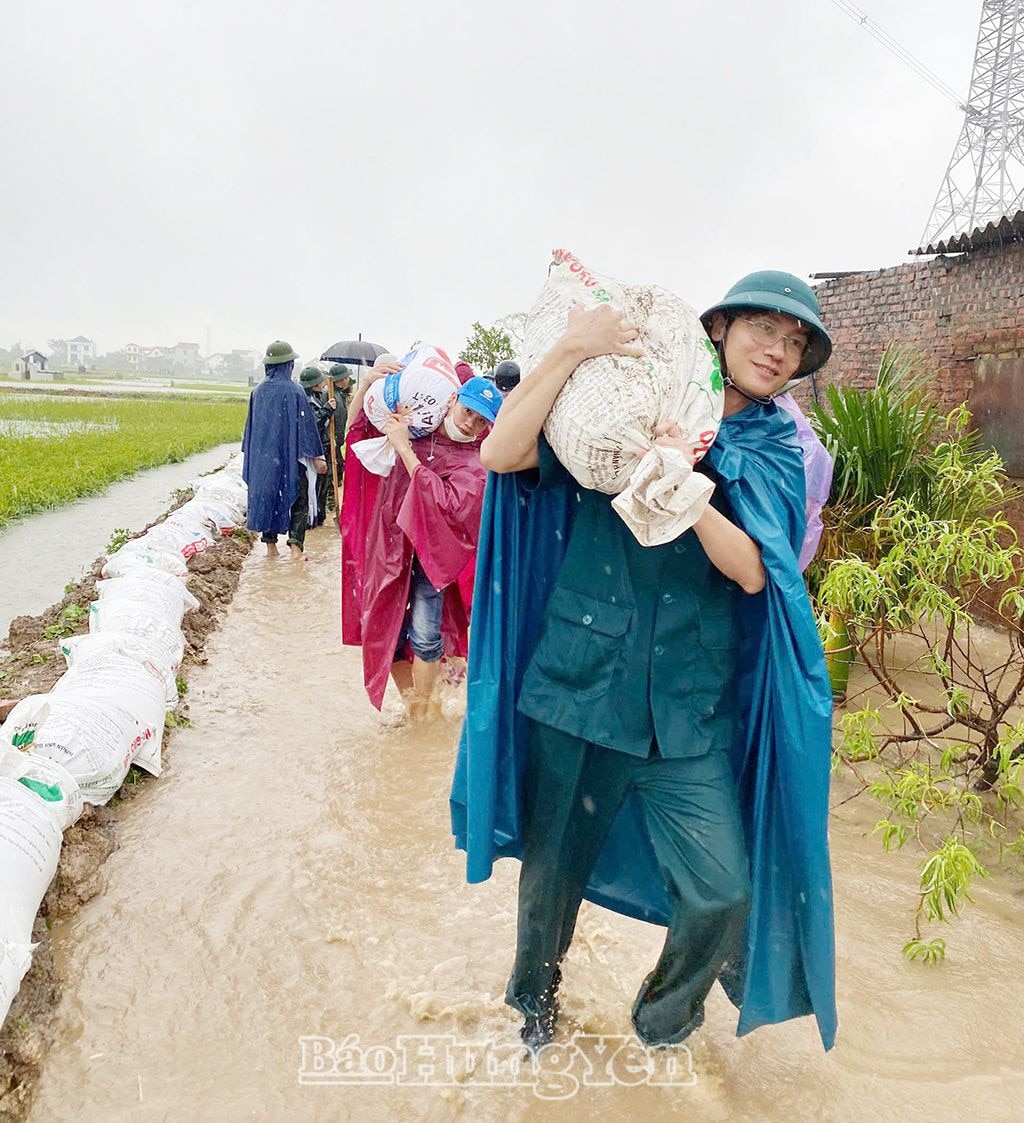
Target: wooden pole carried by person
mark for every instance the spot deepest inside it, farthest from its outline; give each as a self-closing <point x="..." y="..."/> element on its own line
<point x="334" y="451"/>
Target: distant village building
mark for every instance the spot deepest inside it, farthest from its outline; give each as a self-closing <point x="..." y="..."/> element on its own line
<point x="131" y="355"/>
<point x="80" y="354"/>
<point x="32" y="366"/>
<point x="155" y="360"/>
<point x="185" y="357"/>
<point x="232" y="366"/>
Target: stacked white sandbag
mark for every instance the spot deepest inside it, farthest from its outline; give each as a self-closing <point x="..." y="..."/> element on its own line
<point x="105" y="713"/>
<point x="185" y="535"/>
<point x="148" y="606"/>
<point x="226" y="486"/>
<point x="144" y="553"/>
<point x="30" y="838"/>
<point x="53" y="783"/>
<point x="124" y="643"/>
<point x="95" y="742"/>
<point x="227" y="489"/>
<point x="601" y="426"/>
<point x="131" y="693"/>
<point x="214" y="513"/>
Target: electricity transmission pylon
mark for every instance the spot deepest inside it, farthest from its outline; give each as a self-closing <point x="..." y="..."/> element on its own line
<point x="985" y="177"/>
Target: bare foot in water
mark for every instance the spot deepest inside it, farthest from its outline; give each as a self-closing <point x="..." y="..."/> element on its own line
<point x="272" y="550"/>
<point x="297" y="554"/>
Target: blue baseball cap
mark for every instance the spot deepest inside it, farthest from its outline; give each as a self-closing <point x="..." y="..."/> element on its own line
<point x="482" y="396"/>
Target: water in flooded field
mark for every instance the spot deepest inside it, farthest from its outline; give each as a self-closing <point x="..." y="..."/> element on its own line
<point x="42" y="552"/>
<point x="286" y="933"/>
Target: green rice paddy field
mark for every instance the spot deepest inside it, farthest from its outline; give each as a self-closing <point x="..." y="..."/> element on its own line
<point x="55" y="450"/>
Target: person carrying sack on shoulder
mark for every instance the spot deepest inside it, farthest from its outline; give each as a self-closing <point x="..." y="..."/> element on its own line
<point x="650" y="727"/>
<point x="408" y="552"/>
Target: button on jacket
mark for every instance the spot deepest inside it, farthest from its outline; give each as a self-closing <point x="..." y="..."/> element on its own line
<point x="638" y="643"/>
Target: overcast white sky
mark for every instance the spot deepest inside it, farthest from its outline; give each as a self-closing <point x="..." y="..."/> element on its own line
<point x="314" y="169"/>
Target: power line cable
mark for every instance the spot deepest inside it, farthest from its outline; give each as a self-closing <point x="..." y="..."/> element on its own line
<point x="891" y="45"/>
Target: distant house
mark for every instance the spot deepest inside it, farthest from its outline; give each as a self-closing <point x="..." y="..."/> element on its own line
<point x="233" y="366"/>
<point x="32" y="366"/>
<point x="131" y="354"/>
<point x="81" y="352"/>
<point x="155" y="360"/>
<point x="213" y="365"/>
<point x="185" y="357"/>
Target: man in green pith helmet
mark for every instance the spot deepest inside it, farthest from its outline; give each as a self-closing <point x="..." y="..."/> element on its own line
<point x="651" y="726"/>
<point x="344" y="384"/>
<point x="282" y="455"/>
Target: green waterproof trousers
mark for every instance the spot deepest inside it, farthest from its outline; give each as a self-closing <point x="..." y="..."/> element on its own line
<point x="573" y="791"/>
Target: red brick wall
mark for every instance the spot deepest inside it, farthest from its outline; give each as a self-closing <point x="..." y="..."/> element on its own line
<point x="950" y="309"/>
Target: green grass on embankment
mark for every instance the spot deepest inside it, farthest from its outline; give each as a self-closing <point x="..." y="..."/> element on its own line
<point x="92" y="443"/>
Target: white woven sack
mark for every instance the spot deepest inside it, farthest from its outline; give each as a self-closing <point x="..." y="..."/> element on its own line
<point x="216" y="513"/>
<point x="137" y="689"/>
<point x="29" y="848"/>
<point x="144" y="622"/>
<point x="601" y="426"/>
<point x="205" y="513"/>
<point x="15" y="960"/>
<point x="233" y="499"/>
<point x="422" y="389"/>
<point x="30" y="841"/>
<point x="226" y="486"/>
<point x="140" y="554"/>
<point x="94" y="741"/>
<point x="142" y="650"/>
<point x="174" y="536"/>
<point x="153" y="589"/>
<point x="63" y="798"/>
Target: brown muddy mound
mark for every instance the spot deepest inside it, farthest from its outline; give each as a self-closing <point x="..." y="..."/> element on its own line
<point x="32" y="664"/>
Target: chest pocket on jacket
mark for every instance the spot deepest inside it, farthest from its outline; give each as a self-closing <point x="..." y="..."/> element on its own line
<point x="581" y="642"/>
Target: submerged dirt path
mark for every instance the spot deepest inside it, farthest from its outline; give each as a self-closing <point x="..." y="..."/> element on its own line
<point x="292" y="876"/>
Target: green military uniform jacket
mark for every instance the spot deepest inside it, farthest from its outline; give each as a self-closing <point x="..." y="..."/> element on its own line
<point x="638" y="644"/>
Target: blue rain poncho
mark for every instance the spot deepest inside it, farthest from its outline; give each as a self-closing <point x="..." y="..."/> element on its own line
<point x="280" y="430"/>
<point x="781" y="761"/>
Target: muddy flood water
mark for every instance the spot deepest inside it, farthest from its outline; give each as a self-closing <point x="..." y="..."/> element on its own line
<point x="291" y="876"/>
<point x="42" y="552"/>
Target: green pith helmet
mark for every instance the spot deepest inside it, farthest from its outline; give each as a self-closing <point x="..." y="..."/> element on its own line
<point x="279" y="352"/>
<point x="339" y="371"/>
<point x="774" y="291"/>
<point x="312" y="376"/>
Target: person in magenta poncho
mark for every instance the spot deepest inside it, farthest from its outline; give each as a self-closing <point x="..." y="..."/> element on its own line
<point x="409" y="544"/>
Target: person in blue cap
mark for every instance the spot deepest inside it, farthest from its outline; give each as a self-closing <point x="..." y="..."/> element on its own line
<point x="409" y="604"/>
<point x="650" y="727"/>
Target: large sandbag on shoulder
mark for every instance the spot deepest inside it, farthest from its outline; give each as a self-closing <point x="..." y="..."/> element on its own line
<point x="421" y="389"/>
<point x="606" y="413"/>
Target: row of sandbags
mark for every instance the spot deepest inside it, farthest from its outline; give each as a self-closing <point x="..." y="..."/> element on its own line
<point x="75" y="745"/>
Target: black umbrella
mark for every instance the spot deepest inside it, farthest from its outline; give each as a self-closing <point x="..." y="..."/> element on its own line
<point x="354" y="352"/>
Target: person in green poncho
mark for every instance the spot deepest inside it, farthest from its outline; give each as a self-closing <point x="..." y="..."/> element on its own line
<point x="631" y="689"/>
